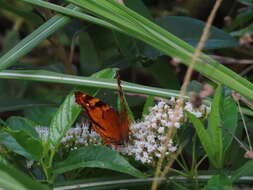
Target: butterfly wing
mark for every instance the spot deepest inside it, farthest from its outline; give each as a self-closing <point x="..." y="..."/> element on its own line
<point x="105" y="120"/>
<point x="124" y="119"/>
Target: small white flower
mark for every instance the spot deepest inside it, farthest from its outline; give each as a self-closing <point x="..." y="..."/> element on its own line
<point x="173" y="149"/>
<point x="161" y="130"/>
<point x="177" y="125"/>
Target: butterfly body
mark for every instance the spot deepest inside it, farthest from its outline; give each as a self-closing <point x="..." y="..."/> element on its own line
<point x="112" y="126"/>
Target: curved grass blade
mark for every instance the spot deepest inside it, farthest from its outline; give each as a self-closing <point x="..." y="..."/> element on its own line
<point x="34" y="39"/>
<point x="52" y="77"/>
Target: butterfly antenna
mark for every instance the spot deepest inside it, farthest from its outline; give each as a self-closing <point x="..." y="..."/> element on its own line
<point x="120" y="90"/>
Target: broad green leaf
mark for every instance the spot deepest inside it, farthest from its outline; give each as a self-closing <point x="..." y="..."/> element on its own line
<point x="129" y="49"/>
<point x="215" y="124"/>
<point x="148" y="104"/>
<point x="41" y="115"/>
<point x="229" y="115"/>
<point x="24" y="124"/>
<point x="246" y="169"/>
<point x="63" y="120"/>
<point x="190" y="30"/>
<point x="13" y="179"/>
<point x="23" y="131"/>
<point x="90" y="61"/>
<point x="10" y="89"/>
<point x="10" y="143"/>
<point x="69" y="110"/>
<point x="219" y="182"/>
<point x="139" y="7"/>
<point x="205" y="139"/>
<point x="96" y="157"/>
<point x="163" y="73"/>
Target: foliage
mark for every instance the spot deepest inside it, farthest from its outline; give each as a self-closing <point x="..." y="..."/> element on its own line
<point x="80" y="47"/>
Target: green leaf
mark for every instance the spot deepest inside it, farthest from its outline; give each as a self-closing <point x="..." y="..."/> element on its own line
<point x="214" y="125"/>
<point x="10" y="143"/>
<point x="32" y="40"/>
<point x="246" y="169"/>
<point x="205" y="138"/>
<point x="63" y="120"/>
<point x="89" y="58"/>
<point x="69" y="110"/>
<point x="190" y="30"/>
<point x="41" y="115"/>
<point x="96" y="157"/>
<point x="139" y="7"/>
<point x="23" y="131"/>
<point x="129" y="49"/>
<point x="11" y="178"/>
<point x="148" y="104"/>
<point x="21" y="123"/>
<point x="229" y="116"/>
<point x="10" y="89"/>
<point x="164" y="73"/>
<point x="219" y="182"/>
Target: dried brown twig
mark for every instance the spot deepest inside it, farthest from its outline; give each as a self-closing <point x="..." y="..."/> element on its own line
<point x="230" y="61"/>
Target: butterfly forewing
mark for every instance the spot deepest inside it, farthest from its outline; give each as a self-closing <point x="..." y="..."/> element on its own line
<point x="111" y="126"/>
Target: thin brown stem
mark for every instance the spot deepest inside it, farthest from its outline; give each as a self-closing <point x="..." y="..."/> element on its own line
<point x="187" y="78"/>
<point x="231" y="61"/>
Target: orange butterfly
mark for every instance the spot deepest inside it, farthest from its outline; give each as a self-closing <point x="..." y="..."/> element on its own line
<point x="112" y="126"/>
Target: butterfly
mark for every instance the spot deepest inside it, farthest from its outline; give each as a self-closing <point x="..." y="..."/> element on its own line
<point x="111" y="125"/>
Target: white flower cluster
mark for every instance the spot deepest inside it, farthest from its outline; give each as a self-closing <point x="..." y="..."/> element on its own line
<point x="199" y="112"/>
<point x="77" y="136"/>
<point x="80" y="135"/>
<point x="147" y="138"/>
